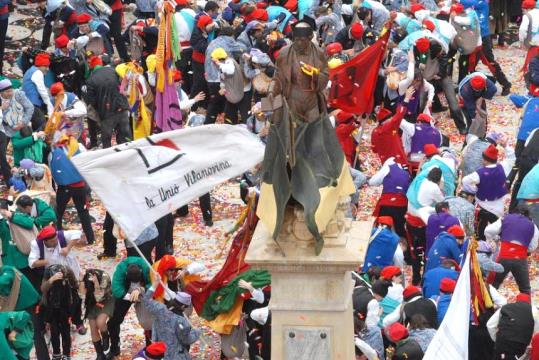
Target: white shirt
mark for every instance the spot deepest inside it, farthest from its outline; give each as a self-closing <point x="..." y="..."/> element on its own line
<point x="185" y="102"/>
<point x="38" y="78"/>
<point x="77" y="109"/>
<point x="395" y="316"/>
<point x="53" y="254"/>
<point x="495" y="206"/>
<point x="378" y="178"/>
<point x="395" y="291"/>
<point x="492" y="233"/>
<point x="429" y="193"/>
<point x="497" y="299"/>
<point x="184" y="33"/>
<point x="524" y="25"/>
<point x="366" y="349"/>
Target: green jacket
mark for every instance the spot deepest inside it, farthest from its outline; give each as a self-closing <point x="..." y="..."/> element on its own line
<point x="119" y="287"/>
<point x="28" y="296"/>
<point x="19" y="145"/>
<point x="10" y="253"/>
<point x="45" y="215"/>
<point x="21" y="322"/>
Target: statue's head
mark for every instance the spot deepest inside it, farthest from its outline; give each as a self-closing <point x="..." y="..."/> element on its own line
<point x="303" y="34"/>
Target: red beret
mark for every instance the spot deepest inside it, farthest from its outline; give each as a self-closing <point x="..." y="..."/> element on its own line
<point x="383" y="114"/>
<point x="177" y="75"/>
<point x="47" y="232"/>
<point x="457" y="8"/>
<point x="42" y="59"/>
<point x="416" y="7"/>
<point x="424" y="118"/>
<point x="261" y="5"/>
<point x="333" y="48"/>
<point x="84" y="18"/>
<point x="456" y="231"/>
<point x="94" y="61"/>
<point x="523" y="297"/>
<point x="429" y="25"/>
<point x="57" y="88"/>
<point x="343" y="116"/>
<point x="390" y="271"/>
<point x="410" y="291"/>
<point x="430" y="149"/>
<point x="204" y="21"/>
<point x="356" y="31"/>
<point x="182" y="3"/>
<point x="528" y="4"/>
<point x="167" y="262"/>
<point x="491" y="153"/>
<point x="422" y="45"/>
<point x="478" y="82"/>
<point x="156" y="349"/>
<point x="447" y="285"/>
<point x="386" y="220"/>
<point x="259" y="14"/>
<point x="396" y="332"/>
<point x="61" y="41"/>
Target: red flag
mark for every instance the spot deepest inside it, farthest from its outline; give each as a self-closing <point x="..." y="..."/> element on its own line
<point x="353" y="83"/>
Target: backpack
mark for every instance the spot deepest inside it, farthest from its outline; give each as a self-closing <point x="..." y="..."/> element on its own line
<point x="61" y="240"/>
<point x="234" y="85"/>
<point x="22" y="237"/>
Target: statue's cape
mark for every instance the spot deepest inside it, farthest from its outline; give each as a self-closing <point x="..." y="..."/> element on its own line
<point x="319" y="177"/>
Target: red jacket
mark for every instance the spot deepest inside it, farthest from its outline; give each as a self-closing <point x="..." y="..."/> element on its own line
<point x="386" y="141"/>
<point x="348" y="143"/>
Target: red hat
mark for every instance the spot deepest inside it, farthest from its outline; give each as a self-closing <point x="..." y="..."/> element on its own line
<point x="182" y="3"/>
<point x="356" y="31"/>
<point x="385" y="220"/>
<point x="523" y="297"/>
<point x="491" y="153"/>
<point x="390" y="271"/>
<point x="383" y="114"/>
<point x="410" y="291"/>
<point x="447" y="285"/>
<point x="528" y="4"/>
<point x="261" y="5"/>
<point x="259" y="14"/>
<point x="84" y="18"/>
<point x="343" y="116"/>
<point x="46" y="233"/>
<point x="422" y="45"/>
<point x="61" y="41"/>
<point x="204" y="21"/>
<point x="42" y="59"/>
<point x="424" y="118"/>
<point x="94" y="61"/>
<point x="57" y="88"/>
<point x="156" y="350"/>
<point x="457" y="8"/>
<point x="416" y="7"/>
<point x="534" y="90"/>
<point x="167" y="262"/>
<point x="396" y="332"/>
<point x="176" y="75"/>
<point x="430" y="149"/>
<point x="456" y="231"/>
<point x="429" y="25"/>
<point x="333" y="48"/>
<point x="478" y="82"/>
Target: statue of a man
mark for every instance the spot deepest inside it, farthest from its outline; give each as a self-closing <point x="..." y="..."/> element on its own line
<point x="303" y="158"/>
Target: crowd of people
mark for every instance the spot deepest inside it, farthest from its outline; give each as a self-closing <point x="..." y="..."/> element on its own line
<point x="95" y="82"/>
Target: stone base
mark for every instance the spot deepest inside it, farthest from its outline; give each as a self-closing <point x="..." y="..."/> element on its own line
<point x="311" y="296"/>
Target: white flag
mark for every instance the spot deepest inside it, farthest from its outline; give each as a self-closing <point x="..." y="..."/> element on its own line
<point x="141" y="181"/>
<point x="451" y="339"/>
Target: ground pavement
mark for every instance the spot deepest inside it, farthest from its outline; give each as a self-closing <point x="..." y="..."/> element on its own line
<point x="197" y="242"/>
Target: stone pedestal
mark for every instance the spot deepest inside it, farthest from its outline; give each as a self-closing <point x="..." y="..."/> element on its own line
<point x="311" y="296"/>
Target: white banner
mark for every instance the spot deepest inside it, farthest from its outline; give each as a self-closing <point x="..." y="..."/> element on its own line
<point x="141" y="181"/>
<point x="451" y="339"/>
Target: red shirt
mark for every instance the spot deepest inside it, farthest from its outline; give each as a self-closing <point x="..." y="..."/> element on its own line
<point x="348" y="143"/>
<point x="386" y="141"/>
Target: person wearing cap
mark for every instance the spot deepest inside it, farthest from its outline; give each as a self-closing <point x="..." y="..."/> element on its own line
<point x="447" y="287"/>
<point x="66" y="103"/>
<point x="472" y="154"/>
<point x="382" y="244"/>
<point x="33" y="85"/>
<point x="385" y="139"/>
<point x="351" y="38"/>
<point x="512" y="327"/>
<point x="61" y="47"/>
<point x="253" y="35"/>
<point x="431" y="280"/>
<point x="185" y="102"/>
<point x="518" y="237"/>
<point x="203" y="33"/>
<point x="528" y="32"/>
<point x="447" y="245"/>
<point x="414" y="303"/>
<point x="439" y="221"/>
<point x="489" y="183"/>
<point x="85" y="32"/>
<point x="393" y="274"/>
<point x="154" y="351"/>
<point x="170" y="324"/>
<point x="393" y="201"/>
<point x="58" y="17"/>
<point x="485" y="52"/>
<point x="474" y="88"/>
<point x="403" y="346"/>
<point x="463" y="208"/>
<point x="329" y="18"/>
<point x="416" y="136"/>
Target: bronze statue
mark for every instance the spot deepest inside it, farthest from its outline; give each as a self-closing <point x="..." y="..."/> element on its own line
<point x="302" y="154"/>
